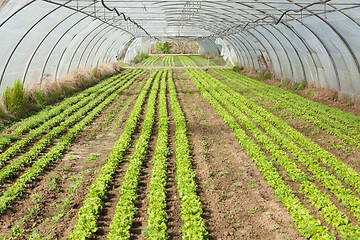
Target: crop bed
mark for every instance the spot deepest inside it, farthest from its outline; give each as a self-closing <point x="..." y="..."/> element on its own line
<point x="182" y="154"/>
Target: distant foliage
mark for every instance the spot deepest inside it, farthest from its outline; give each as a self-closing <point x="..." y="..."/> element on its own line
<point x="164" y="47"/>
<point x="14" y="99"/>
<point x="238" y="69"/>
<point x="140" y="57"/>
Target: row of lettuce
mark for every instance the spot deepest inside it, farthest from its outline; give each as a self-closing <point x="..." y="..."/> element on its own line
<point x="343" y="125"/>
<point x="191" y="208"/>
<point x="179" y="61"/>
<point x="168" y="61"/>
<point x="44" y="116"/>
<point x="203" y="62"/>
<point x="262" y="135"/>
<point x="65" y="132"/>
<point x="187" y="62"/>
<point x="56" y="126"/>
<point x="150" y="61"/>
<point x="66" y="121"/>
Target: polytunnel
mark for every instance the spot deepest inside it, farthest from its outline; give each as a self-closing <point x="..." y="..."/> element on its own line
<point x="168" y="120"/>
<point x="311" y="40"/>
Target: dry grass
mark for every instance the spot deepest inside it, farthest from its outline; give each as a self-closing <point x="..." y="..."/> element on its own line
<point x="330" y="97"/>
<point x="48" y="92"/>
<point x="77" y="80"/>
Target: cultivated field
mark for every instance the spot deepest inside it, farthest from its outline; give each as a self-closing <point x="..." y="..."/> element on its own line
<point x="198" y="152"/>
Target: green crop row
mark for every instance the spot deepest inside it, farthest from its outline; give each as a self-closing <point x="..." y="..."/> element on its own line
<point x="344" y="172"/>
<point x="149" y="61"/>
<point x="157" y="229"/>
<point x="304" y="220"/>
<point x="46" y="114"/>
<point x="92" y="206"/>
<point x="346" y="196"/>
<point x="53" y="155"/>
<point x="296" y="108"/>
<point x="187" y="62"/>
<point x="347" y="118"/>
<point x="203" y="62"/>
<point x="168" y="61"/>
<point x="48" y="125"/>
<point x="125" y="209"/>
<point x="329" y="211"/>
<point x="340" y="124"/>
<point x="32" y="154"/>
<point x="191" y="207"/>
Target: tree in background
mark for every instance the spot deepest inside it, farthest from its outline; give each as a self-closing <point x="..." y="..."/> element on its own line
<point x="164" y="47"/>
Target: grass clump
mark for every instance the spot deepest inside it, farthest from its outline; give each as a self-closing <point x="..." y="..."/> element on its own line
<point x="140" y="57"/>
<point x="299" y="86"/>
<point x="311" y="93"/>
<point x="19" y="102"/>
<point x="14" y="99"/>
<point x="267" y="76"/>
<point x="238" y="69"/>
<point x="263" y="77"/>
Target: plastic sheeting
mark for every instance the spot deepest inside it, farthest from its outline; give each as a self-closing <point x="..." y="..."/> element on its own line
<point x="42" y="42"/>
<point x="316" y="41"/>
<point x="137" y="46"/>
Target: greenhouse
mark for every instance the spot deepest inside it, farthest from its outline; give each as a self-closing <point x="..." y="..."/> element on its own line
<point x="210" y="119"/>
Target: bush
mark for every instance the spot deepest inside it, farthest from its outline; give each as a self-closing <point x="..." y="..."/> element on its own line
<point x="94" y="71"/>
<point x="3" y="114"/>
<point x="14" y="99"/>
<point x="238" y="69"/>
<point x="140" y="57"/>
<point x="267" y="76"/>
<point x="18" y="103"/>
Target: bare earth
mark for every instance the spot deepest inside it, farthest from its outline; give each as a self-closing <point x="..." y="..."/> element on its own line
<point x="237" y="202"/>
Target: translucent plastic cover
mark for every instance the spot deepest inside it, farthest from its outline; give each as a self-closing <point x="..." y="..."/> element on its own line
<point x="316" y="41"/>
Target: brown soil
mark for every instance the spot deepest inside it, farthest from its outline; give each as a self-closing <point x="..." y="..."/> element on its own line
<point x="86" y="155"/>
<point x="347" y="153"/>
<point x="238" y="204"/>
<point x="237" y="201"/>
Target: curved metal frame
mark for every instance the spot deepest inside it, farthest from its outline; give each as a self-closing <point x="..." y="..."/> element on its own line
<point x="41" y="42"/>
<point x="112" y="46"/>
<point x="226" y="19"/>
<point x="342" y="38"/>
<point x="246" y="57"/>
<point x="234" y="47"/>
<point x="22" y="38"/>
<point x="295" y="50"/>
<point x="273" y="49"/>
<point x="305" y="45"/>
<point x="77" y="48"/>
<point x="328" y="53"/>
<point x="90" y="42"/>
<point x="104" y="42"/>
<point x="57" y="42"/>
<point x="282" y="46"/>
<point x="97" y="50"/>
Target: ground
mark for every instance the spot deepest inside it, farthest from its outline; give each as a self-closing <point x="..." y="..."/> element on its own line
<point x="237" y="201"/>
